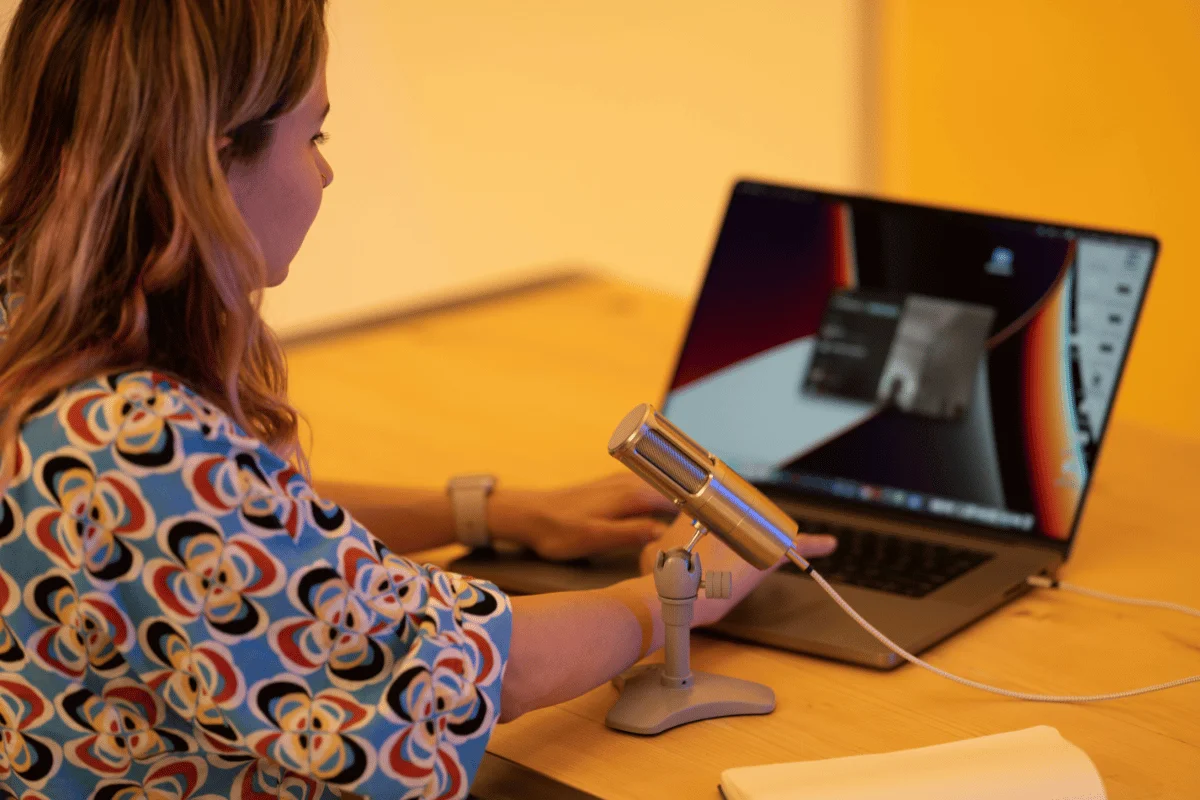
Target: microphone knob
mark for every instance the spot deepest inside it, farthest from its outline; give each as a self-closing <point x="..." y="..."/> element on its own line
<point x="718" y="585"/>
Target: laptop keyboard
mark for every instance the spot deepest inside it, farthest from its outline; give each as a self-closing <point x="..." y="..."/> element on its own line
<point x="888" y="563"/>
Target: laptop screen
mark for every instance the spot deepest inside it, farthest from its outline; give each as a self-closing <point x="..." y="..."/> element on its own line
<point x="937" y="363"/>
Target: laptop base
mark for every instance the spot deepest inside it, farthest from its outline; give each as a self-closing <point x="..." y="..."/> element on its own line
<point x="792" y="612"/>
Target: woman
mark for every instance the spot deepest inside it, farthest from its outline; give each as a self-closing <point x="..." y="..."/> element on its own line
<point x="182" y="612"/>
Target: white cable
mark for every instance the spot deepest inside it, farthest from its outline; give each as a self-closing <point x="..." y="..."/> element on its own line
<point x="805" y="567"/>
<point x="1042" y="582"/>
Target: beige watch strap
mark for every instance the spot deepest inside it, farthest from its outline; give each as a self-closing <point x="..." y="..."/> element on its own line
<point x="468" y="500"/>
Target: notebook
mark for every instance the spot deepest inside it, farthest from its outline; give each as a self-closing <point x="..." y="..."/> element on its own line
<point x="1031" y="764"/>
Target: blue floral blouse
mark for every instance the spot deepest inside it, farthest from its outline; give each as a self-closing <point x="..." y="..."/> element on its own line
<point x="184" y="619"/>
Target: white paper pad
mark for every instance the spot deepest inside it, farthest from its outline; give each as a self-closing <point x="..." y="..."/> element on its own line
<point x="1032" y="764"/>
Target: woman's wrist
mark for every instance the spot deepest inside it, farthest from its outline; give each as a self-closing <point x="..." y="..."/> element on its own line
<point x="511" y="515"/>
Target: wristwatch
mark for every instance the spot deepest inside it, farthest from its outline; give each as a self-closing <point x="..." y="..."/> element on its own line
<point x="468" y="502"/>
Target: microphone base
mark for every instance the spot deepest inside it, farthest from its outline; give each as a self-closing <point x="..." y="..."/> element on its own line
<point x="648" y="707"/>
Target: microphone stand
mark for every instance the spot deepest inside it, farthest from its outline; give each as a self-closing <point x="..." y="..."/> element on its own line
<point x="657" y="697"/>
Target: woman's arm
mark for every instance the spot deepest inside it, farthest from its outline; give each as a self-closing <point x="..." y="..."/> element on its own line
<point x="567" y="643"/>
<point x="405" y="520"/>
<point x="618" y="511"/>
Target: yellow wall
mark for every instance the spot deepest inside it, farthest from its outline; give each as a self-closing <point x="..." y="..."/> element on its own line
<point x="483" y="143"/>
<point x="474" y="142"/>
<point x="1086" y="111"/>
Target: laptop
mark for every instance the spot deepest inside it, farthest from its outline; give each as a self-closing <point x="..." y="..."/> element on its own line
<point x="930" y="386"/>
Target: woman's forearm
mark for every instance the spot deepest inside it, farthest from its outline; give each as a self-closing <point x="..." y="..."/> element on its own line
<point x="409" y="520"/>
<point x="404" y="519"/>
<point x="567" y="643"/>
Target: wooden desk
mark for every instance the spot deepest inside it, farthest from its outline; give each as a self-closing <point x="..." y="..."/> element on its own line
<point x="531" y="386"/>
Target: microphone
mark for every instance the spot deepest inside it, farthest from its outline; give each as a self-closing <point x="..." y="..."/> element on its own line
<point x="703" y="486"/>
<point x="710" y="492"/>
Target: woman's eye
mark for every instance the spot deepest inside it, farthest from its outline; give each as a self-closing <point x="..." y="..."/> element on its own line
<point x="321" y="138"/>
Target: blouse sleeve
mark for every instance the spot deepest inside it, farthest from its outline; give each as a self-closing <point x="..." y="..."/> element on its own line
<point x="273" y="621"/>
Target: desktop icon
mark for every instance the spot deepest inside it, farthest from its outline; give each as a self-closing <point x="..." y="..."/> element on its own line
<point x="1001" y="263"/>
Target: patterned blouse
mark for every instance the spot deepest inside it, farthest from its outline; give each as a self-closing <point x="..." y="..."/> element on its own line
<point x="184" y="619"/>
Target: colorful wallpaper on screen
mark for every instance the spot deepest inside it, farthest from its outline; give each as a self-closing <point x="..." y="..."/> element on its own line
<point x="781" y="254"/>
<point x="767" y="287"/>
<point x="1057" y="469"/>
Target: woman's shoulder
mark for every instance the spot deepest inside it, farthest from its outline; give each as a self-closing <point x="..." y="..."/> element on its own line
<point x="148" y="419"/>
<point x="114" y="400"/>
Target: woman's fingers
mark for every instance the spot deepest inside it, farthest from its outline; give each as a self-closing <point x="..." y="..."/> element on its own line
<point x="811" y="546"/>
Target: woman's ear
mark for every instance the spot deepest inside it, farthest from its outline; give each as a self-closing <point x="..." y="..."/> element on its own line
<point x="223" y="142"/>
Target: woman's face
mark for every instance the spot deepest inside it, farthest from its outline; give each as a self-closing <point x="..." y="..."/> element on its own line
<point x="279" y="191"/>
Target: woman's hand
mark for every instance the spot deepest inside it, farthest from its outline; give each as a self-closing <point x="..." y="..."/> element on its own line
<point x="616" y="512"/>
<point x="716" y="555"/>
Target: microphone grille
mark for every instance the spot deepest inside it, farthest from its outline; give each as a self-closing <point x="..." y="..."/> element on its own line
<point x="670" y="461"/>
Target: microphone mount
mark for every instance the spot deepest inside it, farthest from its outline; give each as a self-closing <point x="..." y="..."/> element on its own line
<point x="658" y="697"/>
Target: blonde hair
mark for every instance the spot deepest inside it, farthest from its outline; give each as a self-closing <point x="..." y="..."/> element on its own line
<point x="118" y="231"/>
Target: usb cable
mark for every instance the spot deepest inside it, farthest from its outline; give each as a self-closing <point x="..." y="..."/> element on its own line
<point x="1042" y="582"/>
<point x="1039" y="582"/>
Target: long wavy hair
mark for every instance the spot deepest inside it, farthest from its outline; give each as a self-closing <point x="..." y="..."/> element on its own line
<point x="119" y="236"/>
